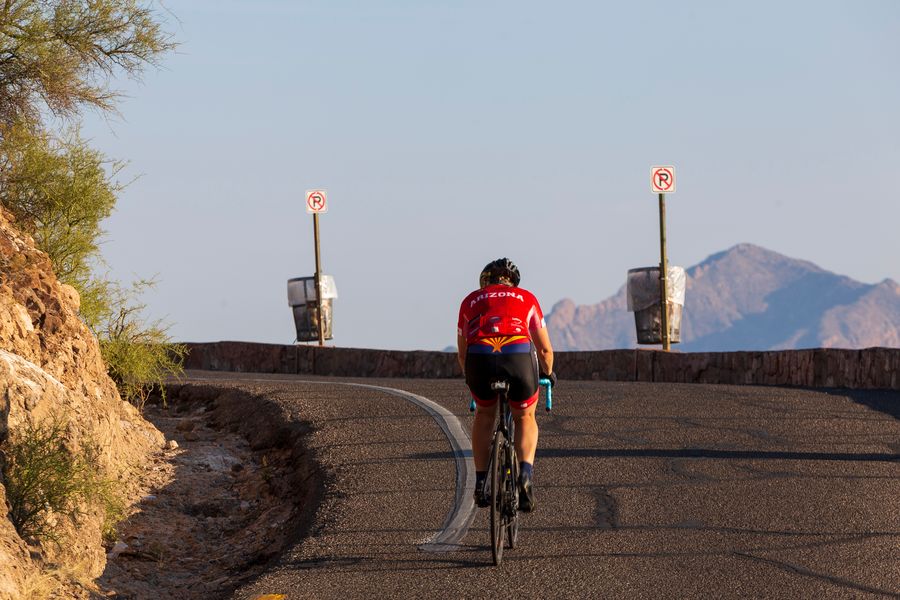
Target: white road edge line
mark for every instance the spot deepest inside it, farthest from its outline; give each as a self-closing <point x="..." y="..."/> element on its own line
<point x="460" y="518"/>
<point x="457" y="523"/>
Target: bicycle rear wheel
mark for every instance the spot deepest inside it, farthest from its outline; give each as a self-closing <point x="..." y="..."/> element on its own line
<point x="512" y="499"/>
<point x="498" y="497"/>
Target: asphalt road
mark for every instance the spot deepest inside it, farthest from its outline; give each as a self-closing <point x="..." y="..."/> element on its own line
<point x="643" y="490"/>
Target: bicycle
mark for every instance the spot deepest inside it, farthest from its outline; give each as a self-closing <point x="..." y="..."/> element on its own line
<point x="502" y="486"/>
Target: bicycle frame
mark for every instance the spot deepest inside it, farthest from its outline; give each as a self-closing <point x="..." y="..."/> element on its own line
<point x="505" y="421"/>
<point x="503" y="469"/>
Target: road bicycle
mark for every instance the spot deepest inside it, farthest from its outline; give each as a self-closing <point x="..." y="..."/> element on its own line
<point x="502" y="486"/>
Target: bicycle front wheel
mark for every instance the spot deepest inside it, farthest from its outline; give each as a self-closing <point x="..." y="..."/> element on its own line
<point x="498" y="497"/>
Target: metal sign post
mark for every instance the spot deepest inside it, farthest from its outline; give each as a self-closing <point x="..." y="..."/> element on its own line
<point x="663" y="274"/>
<point x="662" y="180"/>
<point x="316" y="202"/>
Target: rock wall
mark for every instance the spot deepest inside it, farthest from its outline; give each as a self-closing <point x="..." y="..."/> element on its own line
<point x="50" y="366"/>
<point x="872" y="368"/>
<point x="251" y="357"/>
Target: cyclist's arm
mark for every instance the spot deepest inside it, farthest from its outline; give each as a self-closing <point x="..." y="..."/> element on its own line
<point x="541" y="341"/>
<point x="461" y="354"/>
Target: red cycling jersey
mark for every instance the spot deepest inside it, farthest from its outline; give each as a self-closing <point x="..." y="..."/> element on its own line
<point x="499" y="311"/>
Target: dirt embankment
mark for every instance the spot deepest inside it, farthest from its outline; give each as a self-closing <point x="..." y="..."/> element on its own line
<point x="235" y="489"/>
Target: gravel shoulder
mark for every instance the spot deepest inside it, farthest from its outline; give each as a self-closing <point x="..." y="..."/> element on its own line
<point x="232" y="488"/>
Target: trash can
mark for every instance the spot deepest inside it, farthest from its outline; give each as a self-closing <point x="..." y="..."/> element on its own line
<point x="644" y="302"/>
<point x="302" y="300"/>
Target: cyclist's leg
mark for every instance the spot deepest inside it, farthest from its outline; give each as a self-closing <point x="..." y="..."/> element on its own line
<point x="482" y="432"/>
<point x="523" y="397"/>
<point x="526" y="445"/>
<point x="522" y="370"/>
<point x="526" y="432"/>
<point x="479" y="370"/>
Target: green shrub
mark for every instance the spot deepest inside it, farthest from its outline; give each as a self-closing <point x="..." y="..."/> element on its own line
<point x="43" y="477"/>
<point x="139" y="356"/>
<point x="59" y="190"/>
<point x="58" y="58"/>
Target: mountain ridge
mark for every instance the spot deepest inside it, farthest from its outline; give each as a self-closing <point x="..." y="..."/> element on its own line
<point x="748" y="298"/>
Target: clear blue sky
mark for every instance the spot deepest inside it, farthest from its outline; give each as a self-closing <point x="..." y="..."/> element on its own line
<point x="451" y="133"/>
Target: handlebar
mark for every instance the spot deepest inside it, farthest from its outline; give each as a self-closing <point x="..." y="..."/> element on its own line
<point x="548" y="395"/>
<point x="548" y="386"/>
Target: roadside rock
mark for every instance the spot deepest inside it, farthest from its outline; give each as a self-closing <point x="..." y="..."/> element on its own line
<point x="50" y="367"/>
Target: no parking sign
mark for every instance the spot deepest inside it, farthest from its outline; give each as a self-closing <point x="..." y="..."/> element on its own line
<point x="662" y="179"/>
<point x="316" y="201"/>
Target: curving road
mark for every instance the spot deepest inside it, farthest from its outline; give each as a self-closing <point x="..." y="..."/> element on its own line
<point x="644" y="491"/>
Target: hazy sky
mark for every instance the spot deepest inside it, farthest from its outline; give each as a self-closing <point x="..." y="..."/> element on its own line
<point x="450" y="133"/>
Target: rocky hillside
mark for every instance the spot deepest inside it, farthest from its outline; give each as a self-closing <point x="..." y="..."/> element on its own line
<point x="50" y="366"/>
<point x="749" y="298"/>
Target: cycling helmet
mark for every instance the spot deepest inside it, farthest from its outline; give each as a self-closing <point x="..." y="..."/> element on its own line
<point x="501" y="270"/>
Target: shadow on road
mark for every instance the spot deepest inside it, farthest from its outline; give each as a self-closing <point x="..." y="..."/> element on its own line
<point x="882" y="401"/>
<point x="693" y="453"/>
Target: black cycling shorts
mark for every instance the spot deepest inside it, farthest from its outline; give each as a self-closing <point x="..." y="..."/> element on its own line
<point x="520" y="369"/>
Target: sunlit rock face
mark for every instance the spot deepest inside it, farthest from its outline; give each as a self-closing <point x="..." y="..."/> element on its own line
<point x="50" y="367"/>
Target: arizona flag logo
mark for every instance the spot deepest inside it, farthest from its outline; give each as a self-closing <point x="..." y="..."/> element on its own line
<point x="497" y="343"/>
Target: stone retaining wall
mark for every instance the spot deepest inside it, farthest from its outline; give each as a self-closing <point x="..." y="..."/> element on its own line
<point x="872" y="368"/>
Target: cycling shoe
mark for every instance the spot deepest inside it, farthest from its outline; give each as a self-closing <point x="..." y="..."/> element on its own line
<point x="526" y="493"/>
<point x="482" y="500"/>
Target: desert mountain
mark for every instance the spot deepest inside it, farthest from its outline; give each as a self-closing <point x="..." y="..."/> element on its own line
<point x="749" y="298"/>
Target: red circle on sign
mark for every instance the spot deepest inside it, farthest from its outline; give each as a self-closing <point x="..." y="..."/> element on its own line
<point x="315" y="201"/>
<point x="663" y="179"/>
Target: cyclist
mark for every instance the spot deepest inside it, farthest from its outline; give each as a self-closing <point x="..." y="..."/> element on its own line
<point x="501" y="334"/>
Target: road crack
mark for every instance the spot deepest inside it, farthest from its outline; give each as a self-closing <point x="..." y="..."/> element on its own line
<point x="798" y="570"/>
<point x="606" y="512"/>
